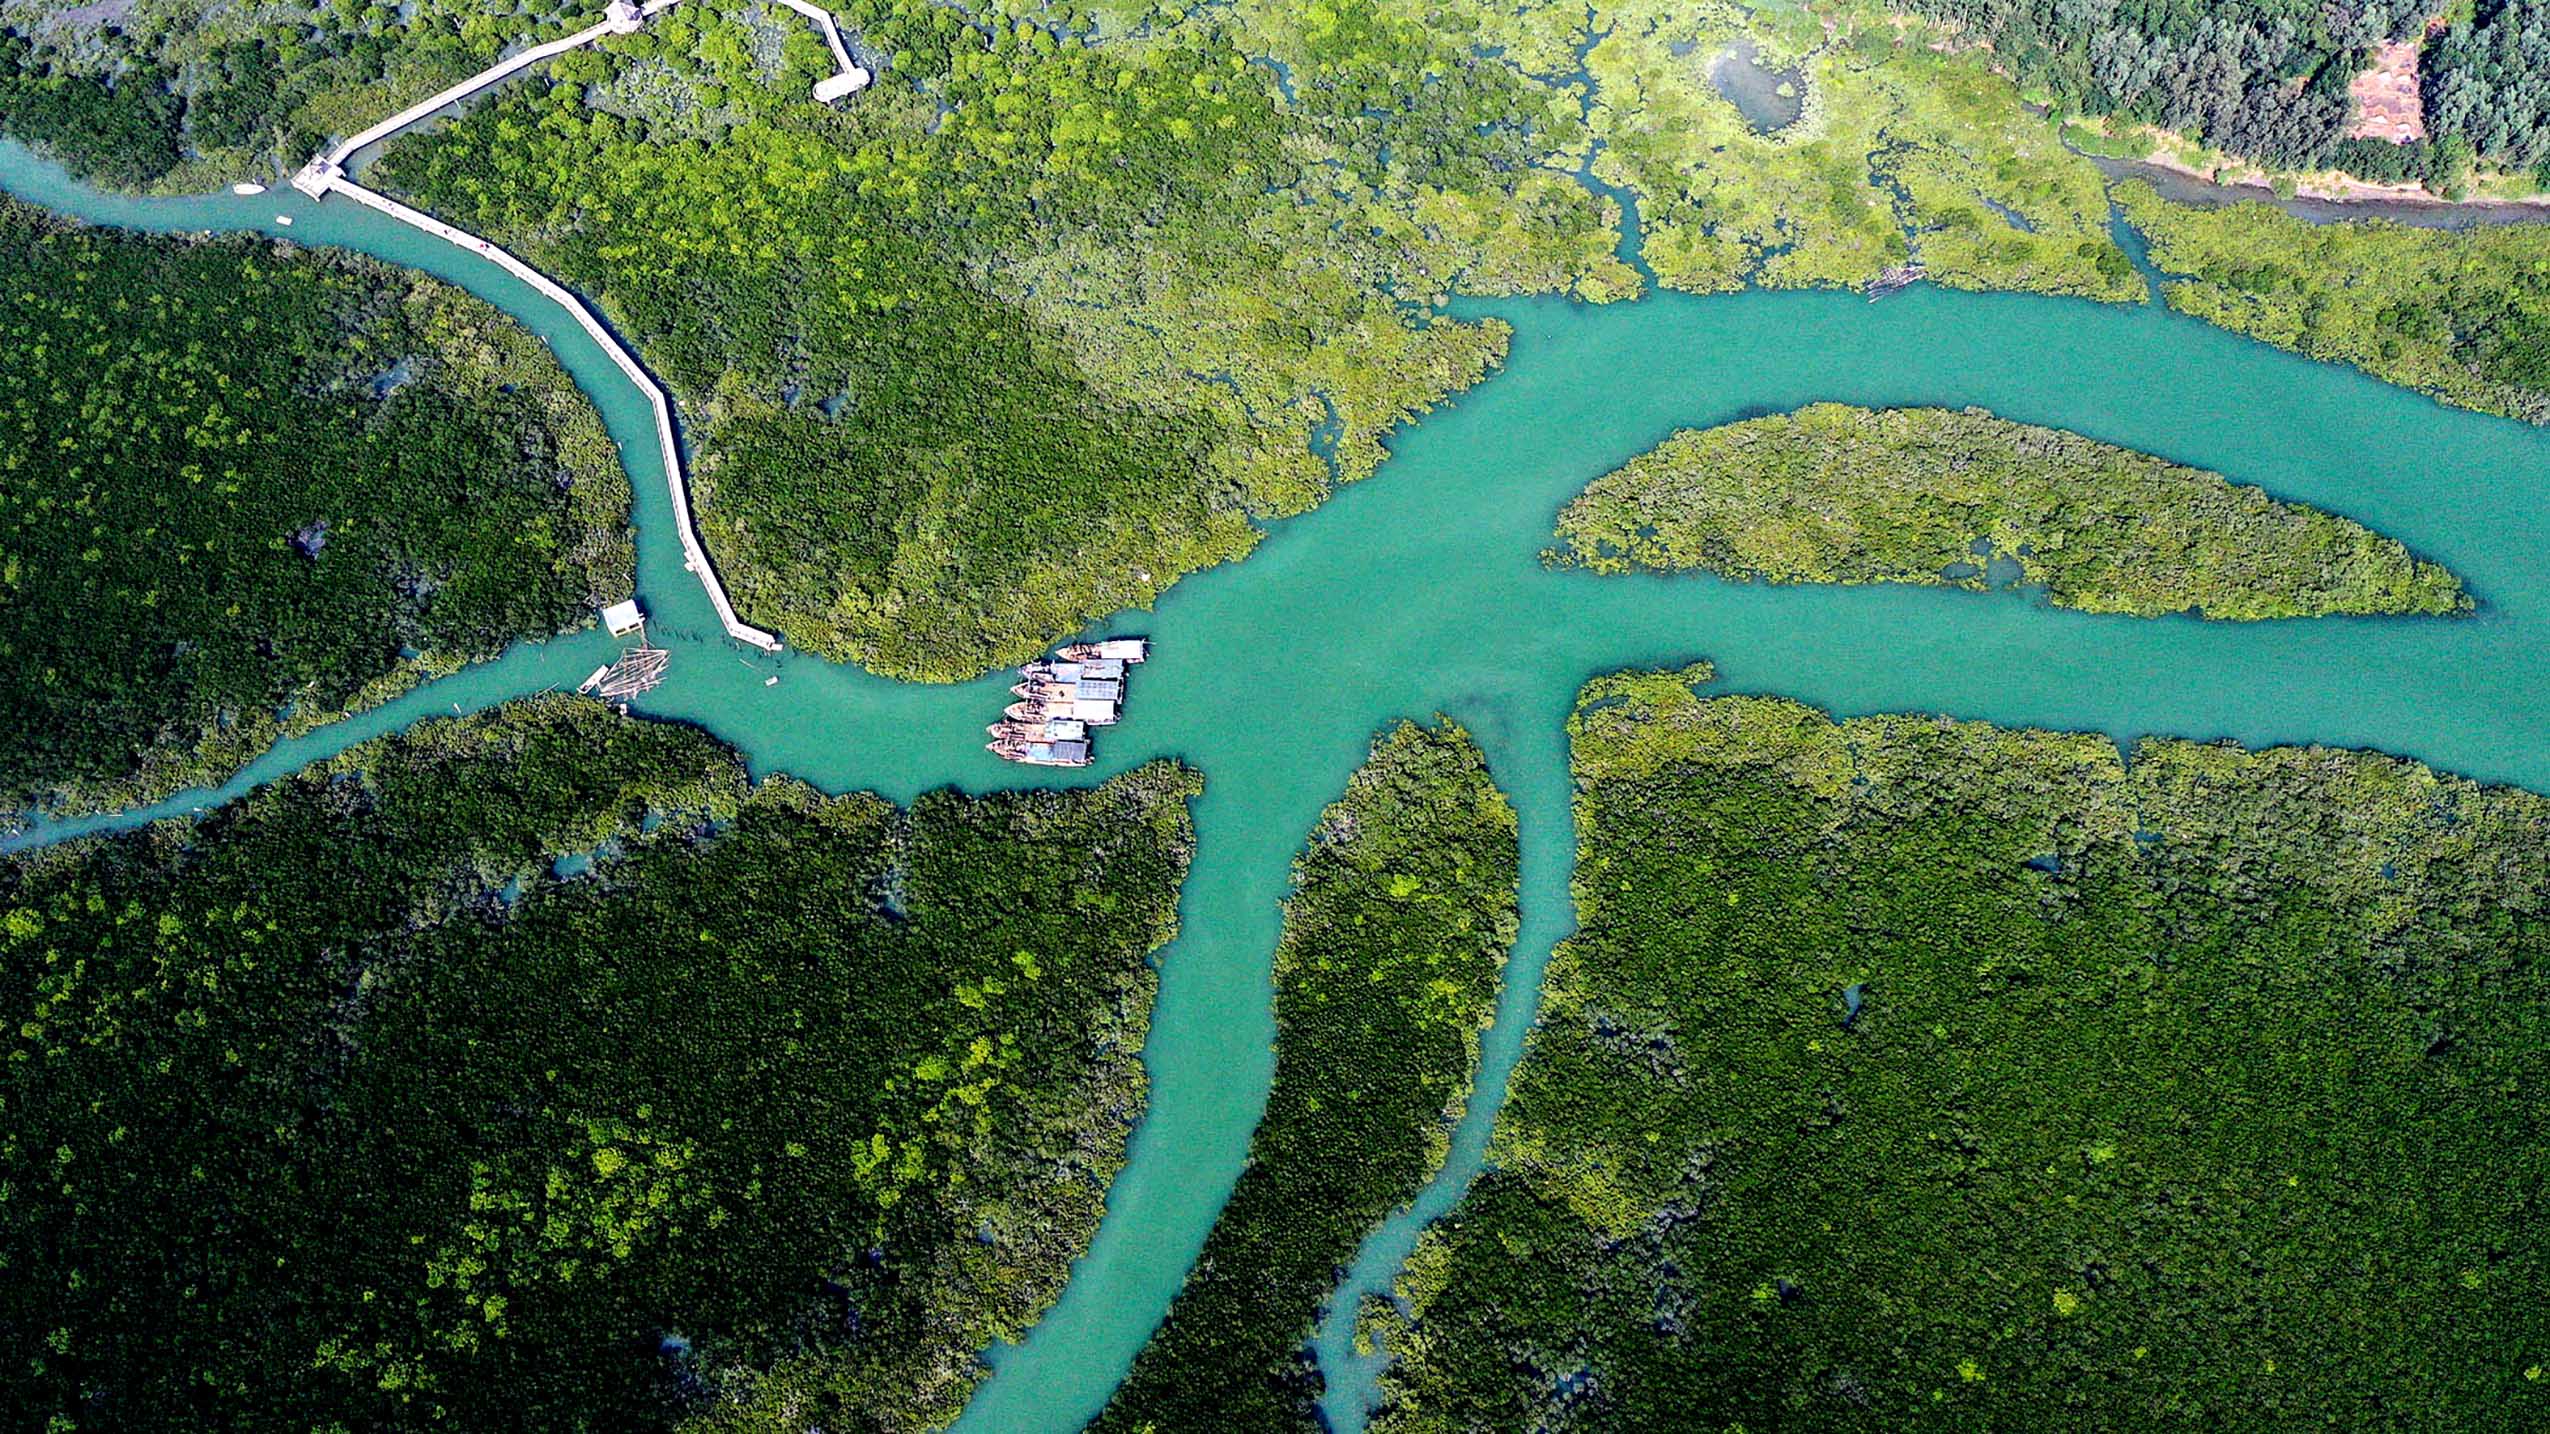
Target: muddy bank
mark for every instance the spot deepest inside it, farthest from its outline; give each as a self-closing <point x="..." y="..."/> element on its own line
<point x="2181" y="187"/>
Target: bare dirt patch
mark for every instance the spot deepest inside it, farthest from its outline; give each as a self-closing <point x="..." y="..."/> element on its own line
<point x="2387" y="103"/>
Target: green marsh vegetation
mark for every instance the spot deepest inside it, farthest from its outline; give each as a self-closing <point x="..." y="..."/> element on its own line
<point x="1402" y="915"/>
<point x="1067" y="303"/>
<point x="1902" y="152"/>
<point x="1027" y="331"/>
<point x="237" y="478"/>
<point x="1835" y="494"/>
<point x="1908" y="1070"/>
<point x="1059" y="309"/>
<point x="2464" y="316"/>
<point x="340" y="1110"/>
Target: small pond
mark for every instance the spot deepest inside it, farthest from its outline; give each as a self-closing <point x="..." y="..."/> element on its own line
<point x="1769" y="99"/>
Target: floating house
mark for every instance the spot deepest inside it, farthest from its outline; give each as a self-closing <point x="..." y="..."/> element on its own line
<point x="623" y="618"/>
<point x="639" y="669"/>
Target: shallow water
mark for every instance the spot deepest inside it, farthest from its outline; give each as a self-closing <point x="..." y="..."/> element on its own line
<point x="1420" y="591"/>
<point x="1769" y="98"/>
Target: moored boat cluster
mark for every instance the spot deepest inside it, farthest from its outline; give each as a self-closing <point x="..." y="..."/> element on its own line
<point x="1894" y="281"/>
<point x="1060" y="698"/>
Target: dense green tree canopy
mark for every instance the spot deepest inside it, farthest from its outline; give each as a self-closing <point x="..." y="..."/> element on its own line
<point x="2488" y="82"/>
<point x="1916" y="1072"/>
<point x="121" y="129"/>
<point x="2262" y="78"/>
<point x="345" y="1109"/>
<point x="243" y="486"/>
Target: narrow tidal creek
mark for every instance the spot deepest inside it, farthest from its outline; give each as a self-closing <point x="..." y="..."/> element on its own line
<point x="1420" y="591"/>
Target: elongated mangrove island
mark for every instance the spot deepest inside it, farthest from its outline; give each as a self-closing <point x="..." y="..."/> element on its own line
<point x="1835" y="494"/>
<point x="1400" y="919"/>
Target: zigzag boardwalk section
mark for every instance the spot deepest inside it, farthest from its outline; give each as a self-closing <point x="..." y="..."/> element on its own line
<point x="326" y="175"/>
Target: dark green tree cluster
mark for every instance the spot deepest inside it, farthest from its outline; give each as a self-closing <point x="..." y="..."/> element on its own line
<point x="341" y="1110"/>
<point x="1917" y="1073"/>
<point x="119" y="129"/>
<point x="2384" y="162"/>
<point x="2487" y="83"/>
<point x="1401" y="918"/>
<point x="238" y="479"/>
<point x="2262" y="78"/>
<point x="125" y="94"/>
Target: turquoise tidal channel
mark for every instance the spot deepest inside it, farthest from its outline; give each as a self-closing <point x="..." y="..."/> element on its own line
<point x="1421" y="590"/>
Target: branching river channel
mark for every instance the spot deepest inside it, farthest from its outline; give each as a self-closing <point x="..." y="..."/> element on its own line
<point x="1421" y="590"/>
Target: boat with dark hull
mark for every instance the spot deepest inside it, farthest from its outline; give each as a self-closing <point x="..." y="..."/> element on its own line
<point x="1063" y="696"/>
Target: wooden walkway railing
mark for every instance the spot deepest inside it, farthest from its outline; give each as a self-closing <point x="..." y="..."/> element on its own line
<point x="325" y="175"/>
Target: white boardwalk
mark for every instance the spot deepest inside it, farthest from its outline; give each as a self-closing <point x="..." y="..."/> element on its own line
<point x="851" y="77"/>
<point x="325" y="175"/>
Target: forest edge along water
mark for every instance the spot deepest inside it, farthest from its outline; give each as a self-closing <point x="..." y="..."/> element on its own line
<point x="1424" y="589"/>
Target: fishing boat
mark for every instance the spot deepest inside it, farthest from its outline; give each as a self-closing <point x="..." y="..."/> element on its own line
<point x="1060" y="698"/>
<point x="1040" y="754"/>
<point x="1041" y="729"/>
<point x="1070" y="687"/>
<point x="1094" y="712"/>
<point x="1894" y="281"/>
<point x="1069" y="701"/>
<point x="1053" y="670"/>
<point x="1113" y="649"/>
